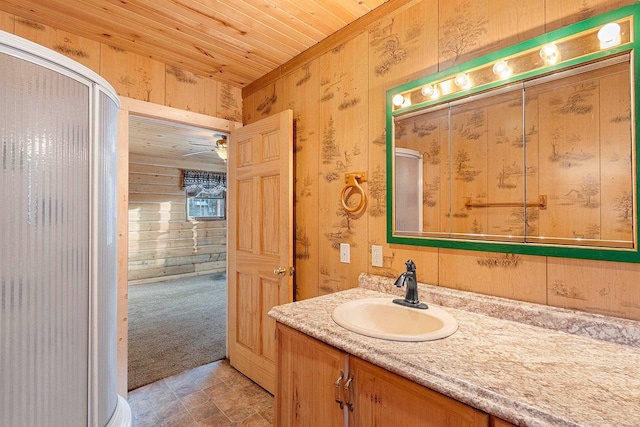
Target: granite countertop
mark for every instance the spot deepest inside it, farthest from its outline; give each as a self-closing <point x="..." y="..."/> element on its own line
<point x="577" y="370"/>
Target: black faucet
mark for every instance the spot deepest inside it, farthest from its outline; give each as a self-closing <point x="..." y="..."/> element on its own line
<point x="408" y="279"/>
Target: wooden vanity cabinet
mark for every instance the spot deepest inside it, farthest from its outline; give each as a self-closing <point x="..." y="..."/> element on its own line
<point x="312" y="378"/>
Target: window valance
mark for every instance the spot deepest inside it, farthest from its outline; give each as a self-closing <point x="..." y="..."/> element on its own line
<point x="211" y="181"/>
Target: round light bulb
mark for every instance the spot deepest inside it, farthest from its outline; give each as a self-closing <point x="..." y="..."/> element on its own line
<point x="609" y="35"/>
<point x="406" y="103"/>
<point x="501" y="69"/>
<point x="462" y="81"/>
<point x="397" y="100"/>
<point x="550" y="53"/>
<point x="436" y="93"/>
<point x="427" y="90"/>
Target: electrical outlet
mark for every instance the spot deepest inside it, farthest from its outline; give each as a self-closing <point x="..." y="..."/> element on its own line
<point x="345" y="253"/>
<point x="376" y="255"/>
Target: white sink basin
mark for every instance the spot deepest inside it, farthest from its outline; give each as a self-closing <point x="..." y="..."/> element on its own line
<point x="381" y="318"/>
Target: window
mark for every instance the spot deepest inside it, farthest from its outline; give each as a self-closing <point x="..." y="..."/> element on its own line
<point x="206" y="194"/>
<point x="206" y="205"/>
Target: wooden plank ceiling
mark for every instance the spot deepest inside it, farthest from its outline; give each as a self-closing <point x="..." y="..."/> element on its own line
<point x="233" y="41"/>
<point x="149" y="137"/>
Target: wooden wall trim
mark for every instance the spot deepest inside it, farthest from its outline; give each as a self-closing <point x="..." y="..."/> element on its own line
<point x="347" y="33"/>
<point x="122" y="357"/>
<point x="176" y="115"/>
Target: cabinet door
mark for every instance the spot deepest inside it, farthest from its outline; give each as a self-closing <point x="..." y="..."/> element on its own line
<point x="497" y="422"/>
<point x="381" y="398"/>
<point x="307" y="381"/>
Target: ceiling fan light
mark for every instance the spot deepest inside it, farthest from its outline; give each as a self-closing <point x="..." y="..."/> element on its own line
<point x="221" y="143"/>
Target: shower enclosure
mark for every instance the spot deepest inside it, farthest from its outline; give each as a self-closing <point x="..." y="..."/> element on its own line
<point x="58" y="271"/>
<point x="408" y="215"/>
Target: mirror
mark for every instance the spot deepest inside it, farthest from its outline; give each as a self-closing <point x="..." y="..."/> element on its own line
<point x="527" y="150"/>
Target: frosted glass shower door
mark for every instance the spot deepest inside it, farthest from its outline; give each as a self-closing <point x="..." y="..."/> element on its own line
<point x="44" y="245"/>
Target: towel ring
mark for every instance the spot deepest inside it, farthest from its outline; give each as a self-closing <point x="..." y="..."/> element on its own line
<point x="353" y="181"/>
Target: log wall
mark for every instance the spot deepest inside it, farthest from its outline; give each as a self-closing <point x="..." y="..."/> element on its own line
<point x="162" y="243"/>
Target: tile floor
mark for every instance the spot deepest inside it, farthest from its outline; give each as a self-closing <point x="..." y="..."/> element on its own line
<point x="210" y="395"/>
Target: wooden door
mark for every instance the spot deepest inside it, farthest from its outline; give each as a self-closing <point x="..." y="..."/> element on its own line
<point x="310" y="378"/>
<point x="385" y="399"/>
<point x="260" y="230"/>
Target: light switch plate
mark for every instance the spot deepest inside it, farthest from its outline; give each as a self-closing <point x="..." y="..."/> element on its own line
<point x="376" y="255"/>
<point x="345" y="253"/>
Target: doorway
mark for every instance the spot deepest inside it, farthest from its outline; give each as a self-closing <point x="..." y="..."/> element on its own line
<point x="148" y="157"/>
<point x="177" y="250"/>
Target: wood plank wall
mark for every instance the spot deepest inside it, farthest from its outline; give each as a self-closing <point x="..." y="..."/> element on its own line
<point x="337" y="93"/>
<point x="162" y="243"/>
<point x="132" y="75"/>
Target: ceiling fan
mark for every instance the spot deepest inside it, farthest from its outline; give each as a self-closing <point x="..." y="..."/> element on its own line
<point x="220" y="147"/>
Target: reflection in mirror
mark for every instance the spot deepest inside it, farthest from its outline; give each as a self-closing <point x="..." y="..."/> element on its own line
<point x="547" y="161"/>
<point x="487" y="166"/>
<point x="408" y="179"/>
<point x="585" y="159"/>
<point x="482" y="159"/>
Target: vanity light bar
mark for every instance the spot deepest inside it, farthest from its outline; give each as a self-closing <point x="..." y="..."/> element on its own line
<point x="518" y="66"/>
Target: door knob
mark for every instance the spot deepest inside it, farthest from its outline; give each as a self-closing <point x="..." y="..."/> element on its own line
<point x="281" y="271"/>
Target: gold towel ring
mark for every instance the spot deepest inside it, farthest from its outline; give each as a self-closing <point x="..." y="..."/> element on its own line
<point x="353" y="181"/>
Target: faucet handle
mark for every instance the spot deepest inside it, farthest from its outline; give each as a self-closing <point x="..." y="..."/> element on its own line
<point x="411" y="266"/>
<point x="400" y="280"/>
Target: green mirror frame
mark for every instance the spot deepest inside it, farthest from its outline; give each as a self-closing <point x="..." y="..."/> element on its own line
<point x="409" y="98"/>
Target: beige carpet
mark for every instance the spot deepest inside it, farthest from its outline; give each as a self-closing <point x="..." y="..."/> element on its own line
<point x="174" y="326"/>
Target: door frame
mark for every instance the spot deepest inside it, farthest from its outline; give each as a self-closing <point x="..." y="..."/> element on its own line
<point x="133" y="107"/>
